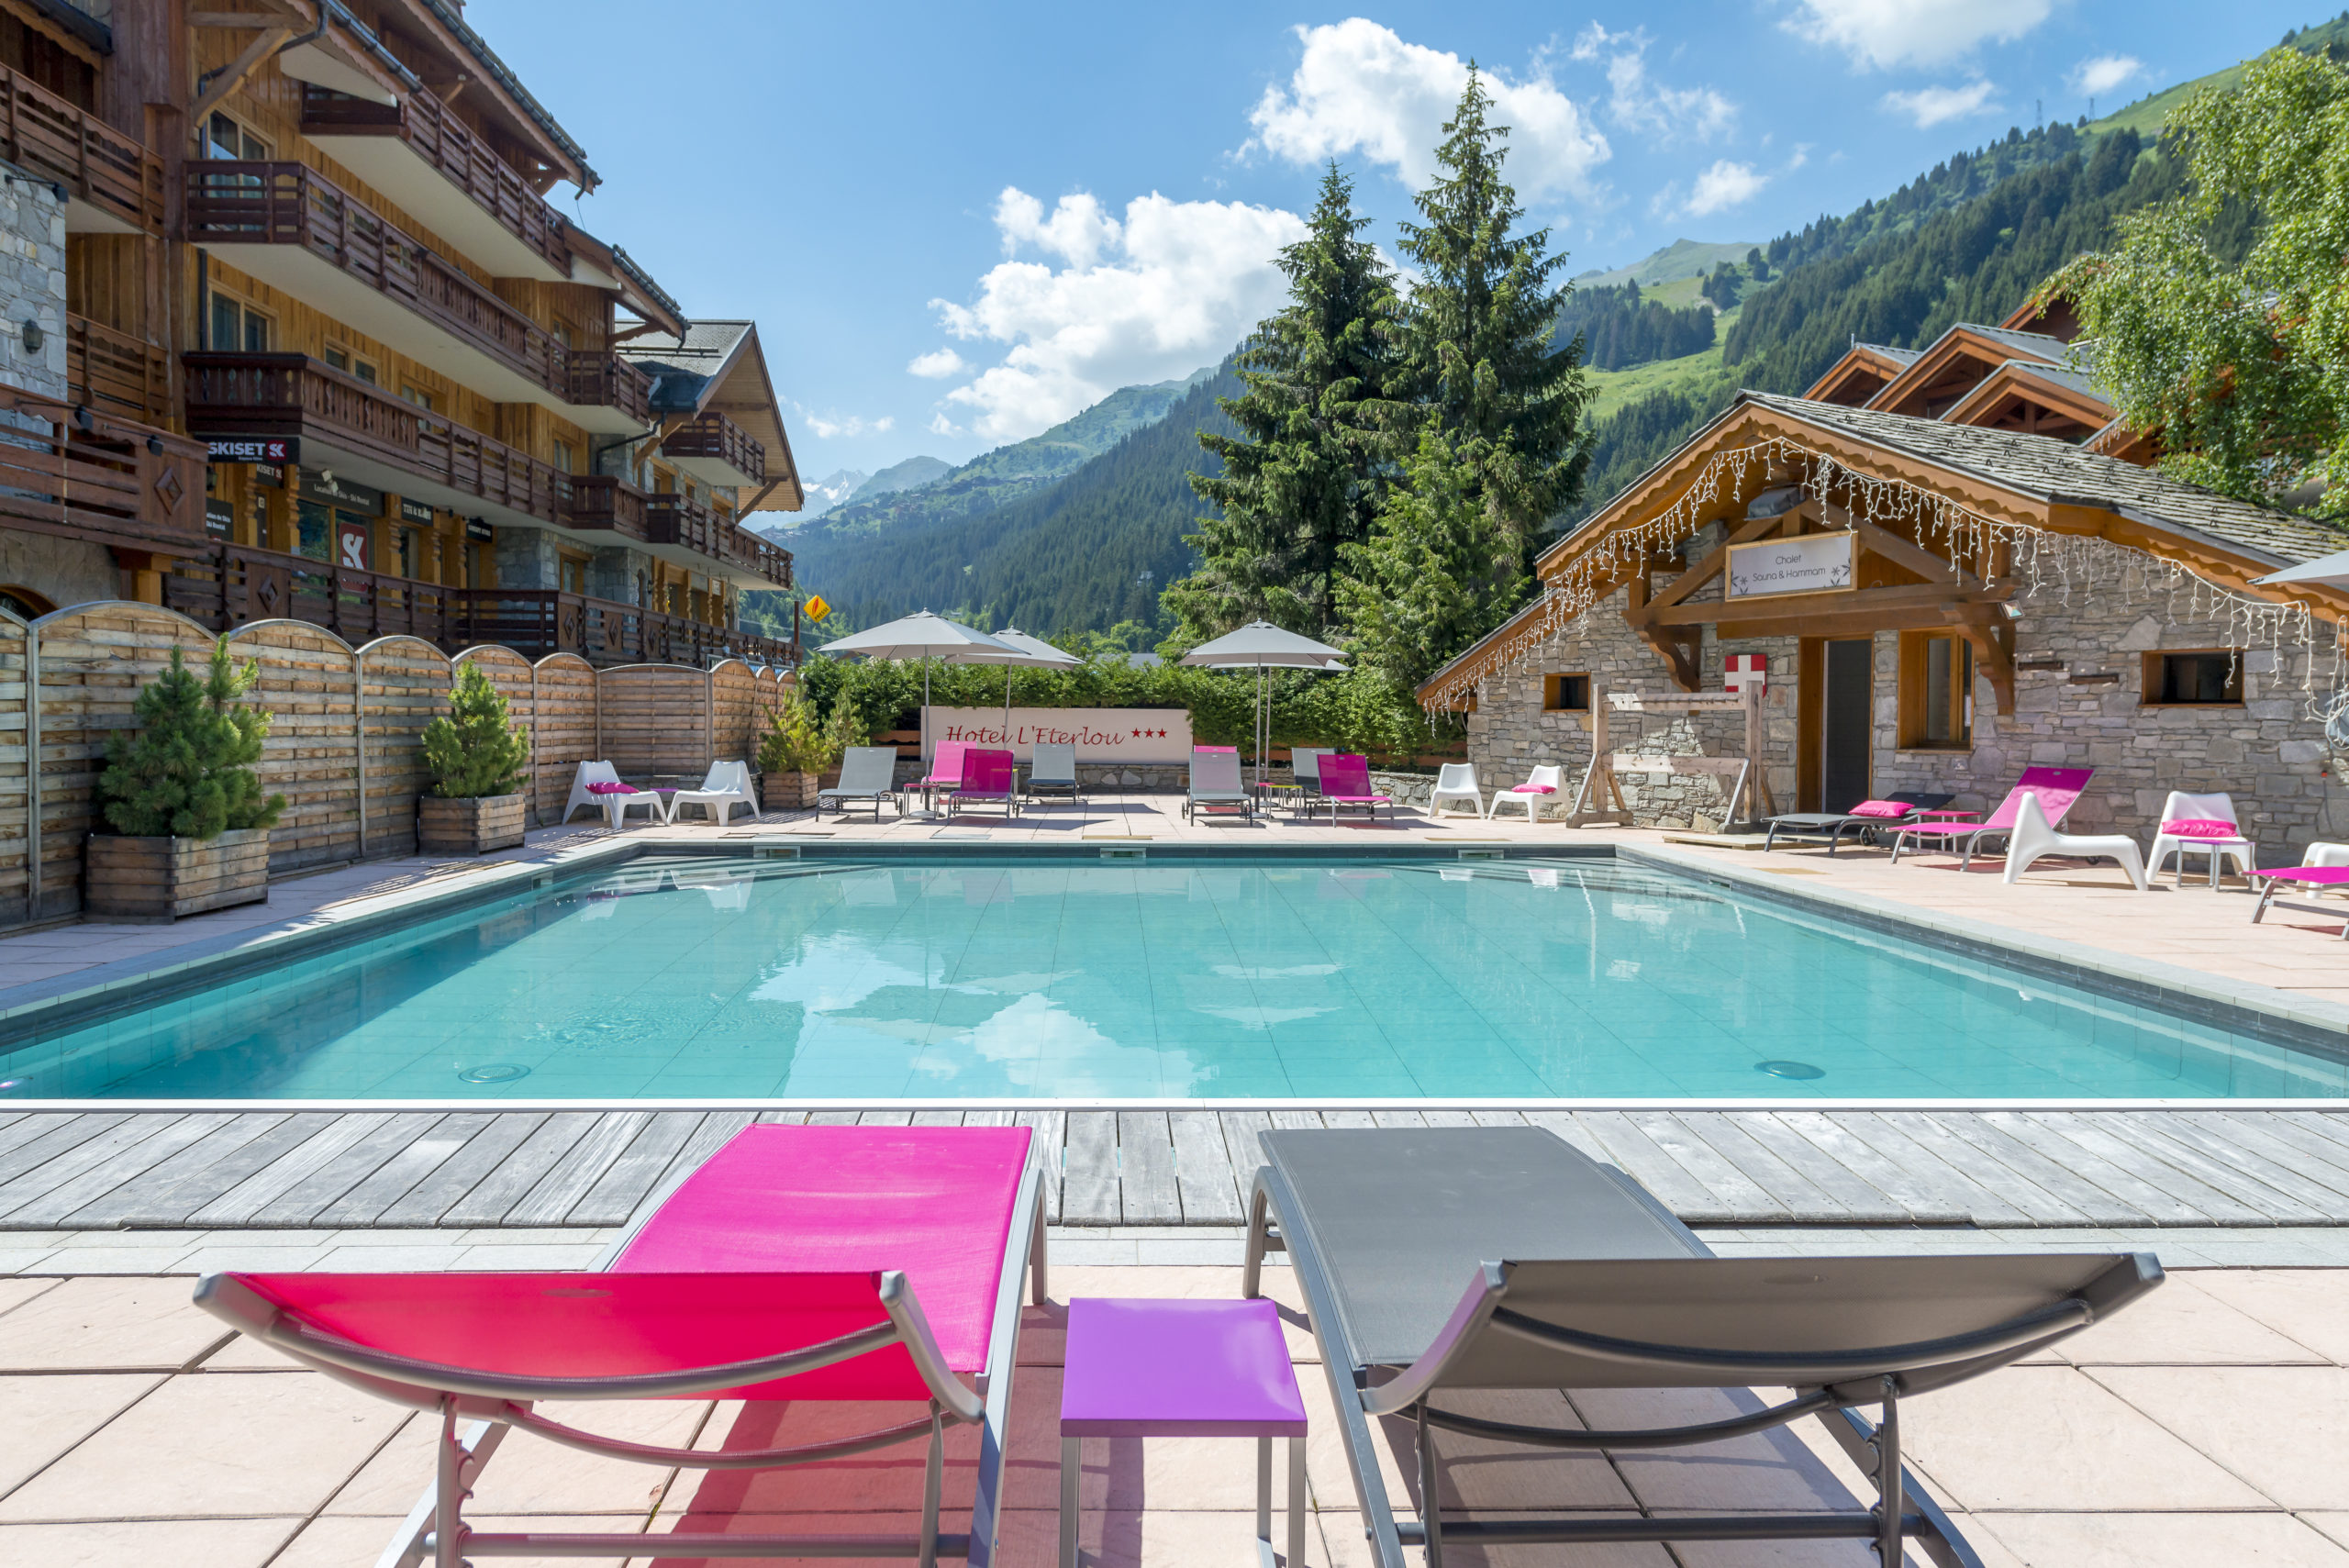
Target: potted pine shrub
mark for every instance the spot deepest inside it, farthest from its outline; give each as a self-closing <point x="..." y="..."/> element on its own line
<point x="476" y="760"/>
<point x="191" y="824"/>
<point x="791" y="754"/>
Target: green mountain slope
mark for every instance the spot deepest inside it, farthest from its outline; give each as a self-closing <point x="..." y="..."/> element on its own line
<point x="1681" y="259"/>
<point x="2145" y="115"/>
<point x="1067" y="556"/>
<point x="999" y="477"/>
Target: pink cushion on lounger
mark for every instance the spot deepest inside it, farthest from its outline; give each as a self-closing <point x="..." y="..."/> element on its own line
<point x="611" y="789"/>
<point x="1533" y="789"/>
<point x="1880" y="809"/>
<point x="933" y="1201"/>
<point x="2315" y="876"/>
<point x="2201" y="827"/>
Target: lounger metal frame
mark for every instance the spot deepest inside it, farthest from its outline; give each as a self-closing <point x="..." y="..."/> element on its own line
<point x="2269" y="886"/>
<point x="476" y="1411"/>
<point x="1806" y="826"/>
<point x="1827" y="1386"/>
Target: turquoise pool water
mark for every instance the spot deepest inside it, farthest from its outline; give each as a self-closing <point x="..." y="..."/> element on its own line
<point x="701" y="978"/>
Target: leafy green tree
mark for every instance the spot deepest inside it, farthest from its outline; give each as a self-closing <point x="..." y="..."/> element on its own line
<point x="187" y="769"/>
<point x="792" y="743"/>
<point x="1302" y="479"/>
<point x="2243" y="368"/>
<point x="475" y="750"/>
<point x="1478" y="334"/>
<point x="1440" y="570"/>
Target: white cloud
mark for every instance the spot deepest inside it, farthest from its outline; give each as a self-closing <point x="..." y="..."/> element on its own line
<point x="1725" y="184"/>
<point x="1889" y="33"/>
<point x="1638" y="103"/>
<point x="937" y="366"/>
<point x="1931" y="106"/>
<point x="1168" y="288"/>
<point x="2098" y="76"/>
<point x="939" y="424"/>
<point x="1360" y="89"/>
<point x="851" y="425"/>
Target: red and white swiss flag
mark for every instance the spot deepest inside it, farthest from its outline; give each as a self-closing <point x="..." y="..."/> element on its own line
<point x="1742" y="670"/>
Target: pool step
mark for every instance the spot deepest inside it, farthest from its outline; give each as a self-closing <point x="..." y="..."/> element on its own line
<point x="471" y="1167"/>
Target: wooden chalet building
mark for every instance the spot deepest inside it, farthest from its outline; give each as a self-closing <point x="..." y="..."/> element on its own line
<point x="305" y="336"/>
<point x="1949" y="564"/>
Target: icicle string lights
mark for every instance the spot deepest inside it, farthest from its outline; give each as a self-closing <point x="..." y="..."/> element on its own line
<point x="2043" y="562"/>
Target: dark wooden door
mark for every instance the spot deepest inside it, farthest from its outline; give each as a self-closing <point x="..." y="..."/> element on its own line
<point x="1844" y="723"/>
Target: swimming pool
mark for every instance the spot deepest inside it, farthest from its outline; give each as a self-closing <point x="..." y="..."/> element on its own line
<point x="702" y="978"/>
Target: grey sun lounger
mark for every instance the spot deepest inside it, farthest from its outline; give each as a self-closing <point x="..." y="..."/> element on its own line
<point x="1438" y="1260"/>
<point x="1216" y="785"/>
<point x="1051" y="771"/>
<point x="867" y="774"/>
<point x="1833" y="825"/>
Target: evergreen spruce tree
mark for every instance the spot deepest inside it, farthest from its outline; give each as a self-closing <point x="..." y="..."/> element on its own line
<point x="1478" y="335"/>
<point x="187" y="770"/>
<point x="475" y="752"/>
<point x="1441" y="569"/>
<point x="1304" y="478"/>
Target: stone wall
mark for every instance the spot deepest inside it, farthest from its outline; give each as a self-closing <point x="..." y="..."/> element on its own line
<point x="2082" y="707"/>
<point x="527" y="558"/>
<point x="32" y="286"/>
<point x="65" y="571"/>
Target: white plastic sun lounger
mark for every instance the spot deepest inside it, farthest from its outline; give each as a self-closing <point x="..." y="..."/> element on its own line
<point x="728" y="785"/>
<point x="1436" y="1260"/>
<point x="612" y="802"/>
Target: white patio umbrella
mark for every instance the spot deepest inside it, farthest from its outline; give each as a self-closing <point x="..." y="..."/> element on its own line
<point x="1264" y="646"/>
<point x="1037" y="654"/>
<point x="926" y="637"/>
<point x="2324" y="572"/>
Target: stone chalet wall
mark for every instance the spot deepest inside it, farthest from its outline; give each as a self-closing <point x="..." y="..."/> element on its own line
<point x="2268" y="753"/>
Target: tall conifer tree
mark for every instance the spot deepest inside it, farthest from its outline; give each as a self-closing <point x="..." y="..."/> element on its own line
<point x="1305" y="477"/>
<point x="1478" y="335"/>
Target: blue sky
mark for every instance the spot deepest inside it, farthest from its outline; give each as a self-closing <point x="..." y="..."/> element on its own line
<point x="956" y="225"/>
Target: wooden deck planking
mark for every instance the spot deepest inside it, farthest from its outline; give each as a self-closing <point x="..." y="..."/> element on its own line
<point x="476" y="1166"/>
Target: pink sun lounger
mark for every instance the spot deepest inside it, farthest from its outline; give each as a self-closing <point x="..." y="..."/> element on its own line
<point x="2271" y="883"/>
<point x="2056" y="789"/>
<point x="801" y="1263"/>
<point x="987" y="778"/>
<point x="1345" y="785"/>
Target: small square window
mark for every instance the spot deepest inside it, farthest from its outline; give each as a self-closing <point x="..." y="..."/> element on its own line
<point x="1566" y="694"/>
<point x="417" y="395"/>
<point x="2200" y="679"/>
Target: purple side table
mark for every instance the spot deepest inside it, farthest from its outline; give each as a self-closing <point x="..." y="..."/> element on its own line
<point x="1186" y="1368"/>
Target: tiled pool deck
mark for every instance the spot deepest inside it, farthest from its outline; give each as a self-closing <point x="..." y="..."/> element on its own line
<point x="2208" y="1426"/>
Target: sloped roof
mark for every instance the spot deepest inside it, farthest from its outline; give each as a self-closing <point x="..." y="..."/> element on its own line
<point x="1898" y="356"/>
<point x="683" y="368"/>
<point x="2029" y="345"/>
<point x="719" y="365"/>
<point x="2059" y="474"/>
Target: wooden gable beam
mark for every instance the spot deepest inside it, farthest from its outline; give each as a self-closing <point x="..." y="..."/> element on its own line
<point x="1715" y="558"/>
<point x="1678" y="646"/>
<point x="264" y="45"/>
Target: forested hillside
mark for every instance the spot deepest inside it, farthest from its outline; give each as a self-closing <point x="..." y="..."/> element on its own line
<point x="1067" y="558"/>
<point x="1620" y="327"/>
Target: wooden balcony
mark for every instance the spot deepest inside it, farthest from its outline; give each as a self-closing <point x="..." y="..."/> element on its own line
<point x="717" y="450"/>
<point x="420" y="154"/>
<point x="229" y="584"/>
<point x="116" y="374"/>
<point x="606" y="381"/>
<point x="293" y="394"/>
<point x="600" y="501"/>
<point x="79" y="473"/>
<point x="671" y="519"/>
<point x="113" y="183"/>
<point x="296" y="230"/>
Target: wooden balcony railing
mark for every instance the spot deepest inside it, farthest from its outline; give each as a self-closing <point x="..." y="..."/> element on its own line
<point x="114" y="172"/>
<point x="672" y="518"/>
<point x="461" y="158"/>
<point x="292" y="204"/>
<point x="116" y="374"/>
<point x="293" y="394"/>
<point x="229" y="584"/>
<point x="600" y="501"/>
<point x="606" y="380"/>
<point x="712" y="435"/>
<point x="79" y="473"/>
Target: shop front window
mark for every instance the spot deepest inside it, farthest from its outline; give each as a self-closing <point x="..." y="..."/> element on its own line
<point x="314" y="529"/>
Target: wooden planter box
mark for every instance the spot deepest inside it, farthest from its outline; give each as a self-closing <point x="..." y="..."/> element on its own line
<point x="164" y="878"/>
<point x="787" y="792"/>
<point x="468" y="827"/>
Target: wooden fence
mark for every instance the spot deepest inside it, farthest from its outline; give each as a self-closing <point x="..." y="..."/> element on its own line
<point x="345" y="735"/>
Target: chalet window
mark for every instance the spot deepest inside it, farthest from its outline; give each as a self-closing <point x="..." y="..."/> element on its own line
<point x="238" y="327"/>
<point x="342" y="359"/>
<point x="414" y="393"/>
<point x="574" y="574"/>
<point x="2211" y="678"/>
<point x="1936" y="691"/>
<point x="224" y="138"/>
<point x="566" y="457"/>
<point x="1566" y="694"/>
